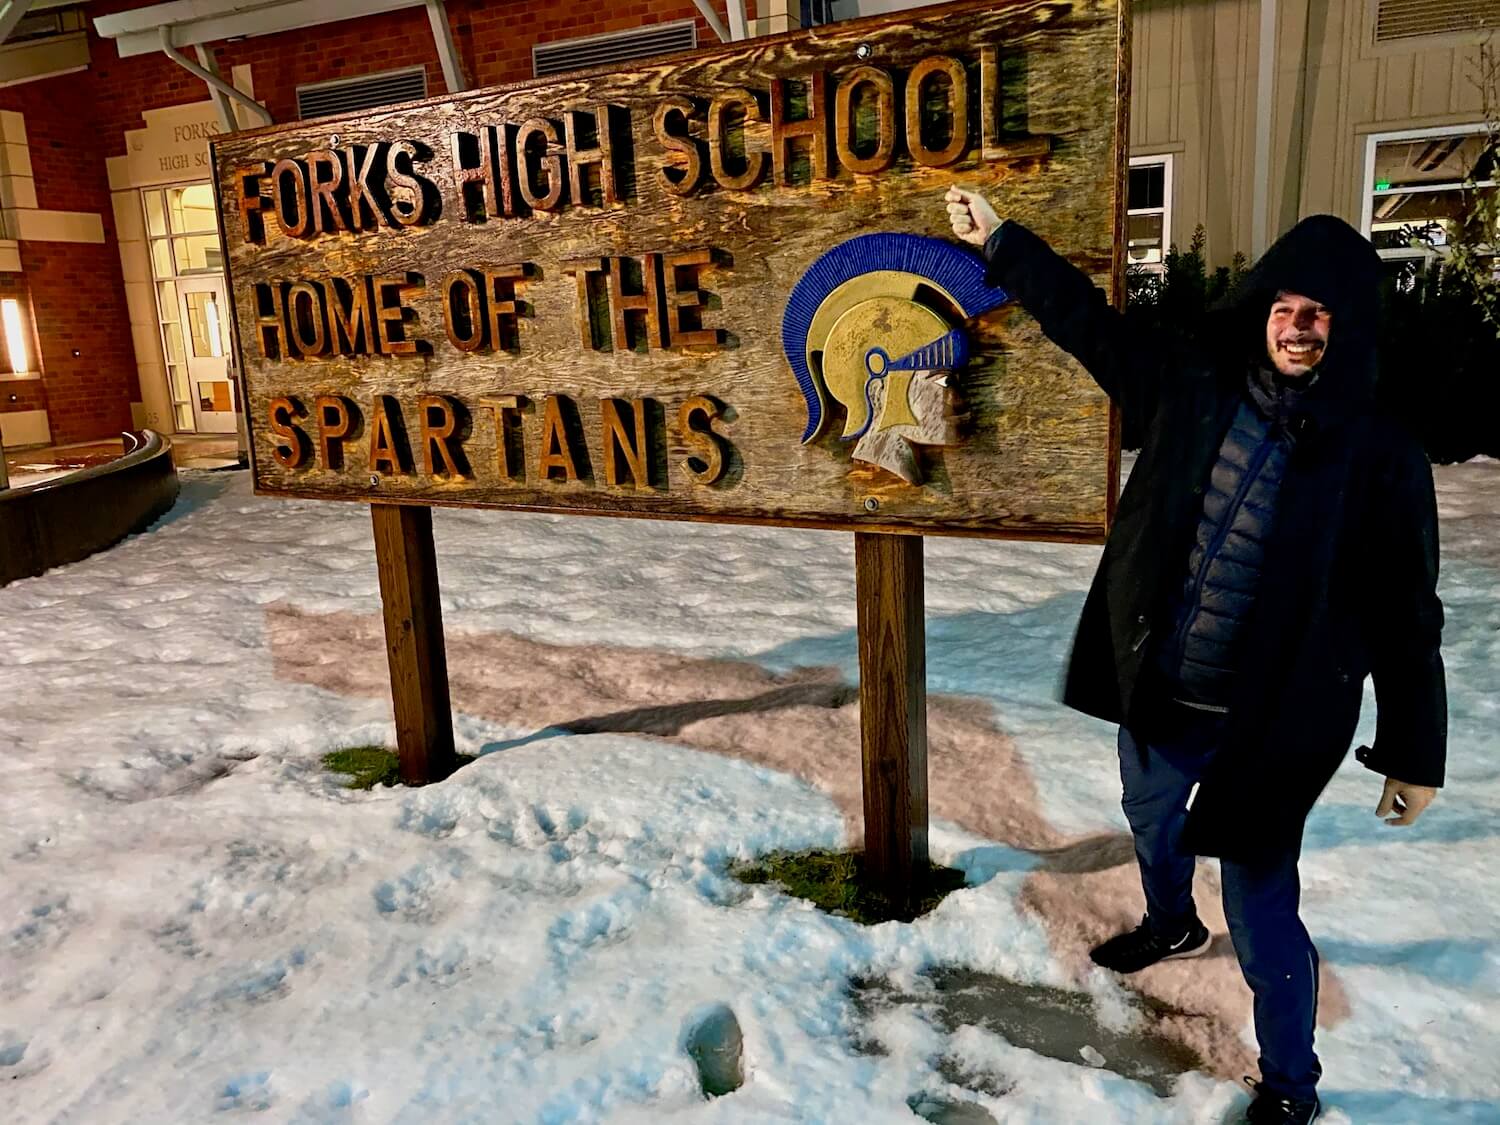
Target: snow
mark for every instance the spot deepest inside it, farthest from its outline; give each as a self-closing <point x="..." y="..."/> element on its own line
<point x="196" y="920"/>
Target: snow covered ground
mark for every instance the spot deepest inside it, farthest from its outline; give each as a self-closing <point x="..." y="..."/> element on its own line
<point x="196" y="921"/>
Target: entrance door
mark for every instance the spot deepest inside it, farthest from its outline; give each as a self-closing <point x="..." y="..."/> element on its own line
<point x="205" y="318"/>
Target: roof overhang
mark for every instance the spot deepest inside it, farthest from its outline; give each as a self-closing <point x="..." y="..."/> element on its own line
<point x="190" y="22"/>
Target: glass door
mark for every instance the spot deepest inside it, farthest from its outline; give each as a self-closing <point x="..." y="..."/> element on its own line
<point x="206" y="336"/>
<point x="182" y="230"/>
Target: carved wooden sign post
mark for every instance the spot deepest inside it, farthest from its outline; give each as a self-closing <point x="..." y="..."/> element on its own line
<point x="719" y="286"/>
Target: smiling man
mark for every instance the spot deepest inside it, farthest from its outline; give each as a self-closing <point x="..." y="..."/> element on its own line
<point x="1275" y="544"/>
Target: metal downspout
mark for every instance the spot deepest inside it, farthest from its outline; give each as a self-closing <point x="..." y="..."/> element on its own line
<point x="442" y="35"/>
<point x="215" y="83"/>
<point x="706" y="10"/>
<point x="11" y="13"/>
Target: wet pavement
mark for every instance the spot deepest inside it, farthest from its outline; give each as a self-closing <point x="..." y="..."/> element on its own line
<point x="1054" y="1022"/>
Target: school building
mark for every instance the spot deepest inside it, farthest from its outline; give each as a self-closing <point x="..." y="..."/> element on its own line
<point x="1245" y="116"/>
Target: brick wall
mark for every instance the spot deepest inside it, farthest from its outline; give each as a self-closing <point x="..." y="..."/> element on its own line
<point x="76" y="291"/>
<point x="78" y="300"/>
<point x="31" y="394"/>
<point x="74" y="122"/>
<point x="493" y="41"/>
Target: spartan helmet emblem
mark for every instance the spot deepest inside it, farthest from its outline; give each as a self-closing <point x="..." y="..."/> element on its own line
<point x="874" y="325"/>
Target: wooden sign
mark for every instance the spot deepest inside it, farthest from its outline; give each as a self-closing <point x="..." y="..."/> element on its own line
<point x="719" y="286"/>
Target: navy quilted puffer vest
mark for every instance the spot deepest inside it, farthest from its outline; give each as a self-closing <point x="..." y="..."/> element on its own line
<point x="1199" y="656"/>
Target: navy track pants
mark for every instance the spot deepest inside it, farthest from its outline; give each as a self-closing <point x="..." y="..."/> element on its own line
<point x="1260" y="900"/>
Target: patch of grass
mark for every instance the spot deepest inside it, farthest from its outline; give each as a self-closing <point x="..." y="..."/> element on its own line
<point x="835" y="882"/>
<point x="369" y="766"/>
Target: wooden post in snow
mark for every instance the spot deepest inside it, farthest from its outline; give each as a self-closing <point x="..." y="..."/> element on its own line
<point x="892" y="708"/>
<point x="407" y="562"/>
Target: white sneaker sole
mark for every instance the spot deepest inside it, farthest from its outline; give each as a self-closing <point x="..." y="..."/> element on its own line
<point x="1194" y="951"/>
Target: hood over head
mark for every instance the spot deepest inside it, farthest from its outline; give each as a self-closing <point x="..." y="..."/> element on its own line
<point x="1327" y="260"/>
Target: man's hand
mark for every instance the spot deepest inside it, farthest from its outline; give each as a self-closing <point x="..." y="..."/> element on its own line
<point x="1406" y="801"/>
<point x="973" y="219"/>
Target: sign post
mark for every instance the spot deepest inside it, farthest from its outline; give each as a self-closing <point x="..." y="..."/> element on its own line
<point x="407" y="564"/>
<point x="892" y="707"/>
<point x="716" y="286"/>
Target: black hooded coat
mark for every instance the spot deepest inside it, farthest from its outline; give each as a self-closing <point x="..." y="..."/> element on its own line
<point x="1348" y="586"/>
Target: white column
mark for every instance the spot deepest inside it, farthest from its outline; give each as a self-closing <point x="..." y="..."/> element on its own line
<point x="1265" y="94"/>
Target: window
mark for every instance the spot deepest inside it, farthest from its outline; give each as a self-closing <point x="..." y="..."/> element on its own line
<point x="1397" y="20"/>
<point x="17" y="352"/>
<point x="183" y="232"/>
<point x="817" y="12"/>
<point x="1416" y="188"/>
<point x="1148" y="212"/>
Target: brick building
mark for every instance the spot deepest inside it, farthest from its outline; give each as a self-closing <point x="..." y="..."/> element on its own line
<point x="111" y="288"/>
<point x="109" y="261"/>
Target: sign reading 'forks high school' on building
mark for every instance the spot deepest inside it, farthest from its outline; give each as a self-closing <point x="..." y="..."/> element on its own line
<point x="719" y="285"/>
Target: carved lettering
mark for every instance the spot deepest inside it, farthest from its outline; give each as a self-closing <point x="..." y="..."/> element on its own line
<point x="411" y="194"/>
<point x="695" y="421"/>
<point x="251" y="202"/>
<point x="482" y="161"/>
<point x="742" y="103"/>
<point x="600" y="156"/>
<point x="294" y="448"/>
<point x="582" y="272"/>
<point x="510" y="446"/>
<point x="289" y="199"/>
<point x="389" y="451"/>
<point x="326" y="175"/>
<point x="357" y="171"/>
<point x="557" y="453"/>
<point x="881" y="88"/>
<point x="679" y="179"/>
<point x="813" y="128"/>
<point x="646" y="303"/>
<point x="537" y="152"/>
<point x="390" y="316"/>
<point x="304" y="306"/>
<point x="270" y="319"/>
<point x="442" y="418"/>
<point x="335" y="425"/>
<point x="352" y="329"/>
<point x="957" y="85"/>
<point x="463" y="311"/>
<point x="625" y="447"/>
<point x="504" y="309"/>
<point x="685" y="305"/>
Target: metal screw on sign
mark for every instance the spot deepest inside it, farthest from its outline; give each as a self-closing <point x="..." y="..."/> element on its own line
<point x="333" y="141"/>
<point x="871" y="504"/>
<point x="374" y="480"/>
<point x="864" y="51"/>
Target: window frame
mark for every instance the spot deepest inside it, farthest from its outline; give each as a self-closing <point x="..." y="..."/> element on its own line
<point x="1165" y="159"/>
<point x="27" y="318"/>
<point x="1369" y="193"/>
<point x="182" y="408"/>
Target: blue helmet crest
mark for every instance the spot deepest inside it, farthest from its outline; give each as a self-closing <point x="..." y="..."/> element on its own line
<point x="953" y="270"/>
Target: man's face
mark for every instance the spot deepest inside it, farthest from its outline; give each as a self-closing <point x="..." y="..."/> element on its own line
<point x="1296" y="333"/>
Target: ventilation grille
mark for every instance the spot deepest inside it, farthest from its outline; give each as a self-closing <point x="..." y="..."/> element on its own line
<point x="349" y="95"/>
<point x="1407" y="19"/>
<point x="619" y="46"/>
<point x="45" y="25"/>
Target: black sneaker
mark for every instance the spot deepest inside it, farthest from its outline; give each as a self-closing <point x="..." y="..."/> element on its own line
<point x="1131" y="952"/>
<point x="1271" y="1108"/>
